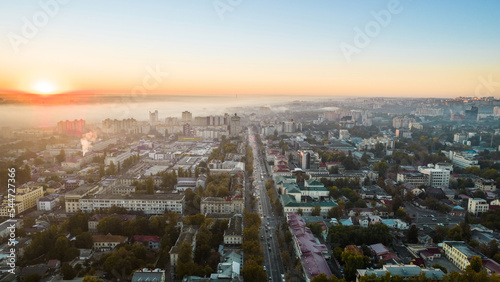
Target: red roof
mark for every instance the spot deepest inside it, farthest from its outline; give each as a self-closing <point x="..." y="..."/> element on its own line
<point x="492" y="265"/>
<point x="389" y="256"/>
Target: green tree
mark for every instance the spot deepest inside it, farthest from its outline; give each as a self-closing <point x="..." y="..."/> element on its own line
<point x="476" y="264"/>
<point x="84" y="241"/>
<point x="111" y="225"/>
<point x="150" y="186"/>
<point x="111" y="170"/>
<point x="316" y="211"/>
<point x="352" y="263"/>
<point x="60" y="247"/>
<point x="253" y="272"/>
<point x="412" y="234"/>
<point x="67" y="271"/>
<point x="381" y="167"/>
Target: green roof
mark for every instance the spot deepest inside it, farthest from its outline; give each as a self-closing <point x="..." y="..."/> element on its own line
<point x="313" y="182"/>
<point x="291" y="188"/>
<point x="289" y="201"/>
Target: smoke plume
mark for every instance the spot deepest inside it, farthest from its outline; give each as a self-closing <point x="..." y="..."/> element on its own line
<point x="87" y="140"/>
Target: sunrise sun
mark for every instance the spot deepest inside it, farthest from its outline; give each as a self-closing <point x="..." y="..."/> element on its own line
<point x="44" y="87"/>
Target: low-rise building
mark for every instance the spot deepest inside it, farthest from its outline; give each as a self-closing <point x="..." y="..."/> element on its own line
<point x="478" y="206"/>
<point x="485" y="184"/>
<point x="234" y="233"/>
<point x="226" y="205"/>
<point x="151" y="242"/>
<point x="147" y="203"/>
<point x="47" y="203"/>
<point x="156" y="275"/>
<point x="458" y="253"/>
<point x="104" y="243"/>
<point x="405" y="271"/>
<point x="413" y="178"/>
<point x="72" y="198"/>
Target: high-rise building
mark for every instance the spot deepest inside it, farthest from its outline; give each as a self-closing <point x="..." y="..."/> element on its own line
<point x="496" y="111"/>
<point x="308" y="159"/>
<point x="153" y="117"/>
<point x="234" y="125"/>
<point x="471" y="115"/>
<point x="187" y="116"/>
<point x="186" y="129"/>
<point x="73" y="128"/>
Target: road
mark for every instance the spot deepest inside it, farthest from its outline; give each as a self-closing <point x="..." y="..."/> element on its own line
<point x="270" y="222"/>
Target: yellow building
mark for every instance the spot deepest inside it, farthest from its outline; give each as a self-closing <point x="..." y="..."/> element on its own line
<point x="458" y="253"/>
<point x="25" y="198"/>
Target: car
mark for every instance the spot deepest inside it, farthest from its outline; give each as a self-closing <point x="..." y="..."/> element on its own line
<point x="264" y="268"/>
<point x="434" y="219"/>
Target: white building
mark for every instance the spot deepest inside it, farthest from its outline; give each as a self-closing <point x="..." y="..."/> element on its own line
<point x="147" y="203"/>
<point x="222" y="205"/>
<point x="478" y="206"/>
<point x="436" y="177"/>
<point x="459" y="138"/>
<point x="47" y="203"/>
<point x="462" y="161"/>
<point x="344" y="134"/>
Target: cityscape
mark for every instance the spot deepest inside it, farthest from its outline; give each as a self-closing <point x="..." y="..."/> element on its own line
<point x="249" y="141"/>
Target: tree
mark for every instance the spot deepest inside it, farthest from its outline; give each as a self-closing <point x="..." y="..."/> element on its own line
<point x="84" y="241"/>
<point x="111" y="169"/>
<point x="101" y="171"/>
<point x="110" y="224"/>
<point x="381" y="167"/>
<point x="89" y="278"/>
<point x="253" y="272"/>
<point x="67" y="271"/>
<point x="316" y="211"/>
<point x="476" y="264"/>
<point x="300" y="212"/>
<point x="322" y="278"/>
<point x="62" y="244"/>
<point x="32" y="278"/>
<point x="150" y="186"/>
<point x="352" y="264"/>
<point x="412" y="234"/>
<point x="61" y="157"/>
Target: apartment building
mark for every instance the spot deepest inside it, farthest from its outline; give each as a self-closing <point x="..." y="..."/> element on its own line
<point x="147" y="203"/>
<point x="229" y="205"/>
<point x="72" y="198"/>
<point x="26" y="198"/>
<point x="477" y="206"/>
<point x="458" y="253"/>
<point x="234" y="233"/>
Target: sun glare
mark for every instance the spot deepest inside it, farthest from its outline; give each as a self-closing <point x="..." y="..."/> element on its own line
<point x="44" y="87"/>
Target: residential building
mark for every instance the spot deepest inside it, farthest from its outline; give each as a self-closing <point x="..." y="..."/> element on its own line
<point x="462" y="161"/>
<point x="311" y="254"/>
<point x="25" y="198"/>
<point x="72" y="198"/>
<point x="235" y="125"/>
<point x="153" y="118"/>
<point x="459" y="138"/>
<point x="151" y="242"/>
<point x="435" y="177"/>
<point x="234" y="233"/>
<point x="414" y="178"/>
<point x="146" y="275"/>
<point x="47" y="203"/>
<point x="308" y="159"/>
<point x="187" y="116"/>
<point x="227" y="205"/>
<point x="405" y="271"/>
<point x="459" y="253"/>
<point x="104" y="243"/>
<point x="147" y="203"/>
<point x="402" y="122"/>
<point x="188" y="234"/>
<point x="344" y="134"/>
<point x="477" y="206"/>
<point x="485" y="184"/>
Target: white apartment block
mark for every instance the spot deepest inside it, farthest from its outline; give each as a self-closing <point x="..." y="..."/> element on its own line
<point x="72" y="198"/>
<point x="47" y="203"/>
<point x="436" y="177"/>
<point x="413" y="178"/>
<point x="478" y="206"/>
<point x="147" y="203"/>
<point x="222" y="205"/>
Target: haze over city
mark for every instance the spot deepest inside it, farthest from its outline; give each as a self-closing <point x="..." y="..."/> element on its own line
<point x="249" y="140"/>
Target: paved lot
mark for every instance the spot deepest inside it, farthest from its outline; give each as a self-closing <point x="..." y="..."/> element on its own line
<point x="444" y="262"/>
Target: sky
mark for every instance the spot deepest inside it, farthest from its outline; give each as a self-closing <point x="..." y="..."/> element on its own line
<point x="400" y="48"/>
